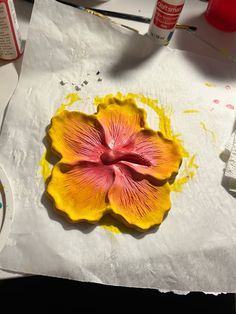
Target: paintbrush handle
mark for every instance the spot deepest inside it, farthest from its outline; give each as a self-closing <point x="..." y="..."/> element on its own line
<point x="131" y="17"/>
<point x="124" y="16"/>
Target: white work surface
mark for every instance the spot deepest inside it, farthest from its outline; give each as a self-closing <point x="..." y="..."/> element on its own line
<point x="206" y="42"/>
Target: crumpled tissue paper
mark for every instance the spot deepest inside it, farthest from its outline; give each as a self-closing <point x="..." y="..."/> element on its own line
<point x="194" y="249"/>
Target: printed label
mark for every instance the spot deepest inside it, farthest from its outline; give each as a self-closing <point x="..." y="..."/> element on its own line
<point x="164" y="20"/>
<point x="15" y="25"/>
<point x="169" y="8"/>
<point x="166" y="15"/>
<point x="7" y="44"/>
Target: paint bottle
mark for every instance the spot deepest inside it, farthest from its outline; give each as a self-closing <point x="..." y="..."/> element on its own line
<point x="164" y="20"/>
<point x="10" y="40"/>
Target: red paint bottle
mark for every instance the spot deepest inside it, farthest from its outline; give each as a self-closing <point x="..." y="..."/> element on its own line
<point x="10" y="40"/>
<point x="222" y="14"/>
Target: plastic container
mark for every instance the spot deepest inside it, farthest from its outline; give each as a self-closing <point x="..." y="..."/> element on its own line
<point x="222" y="14"/>
<point x="164" y="20"/>
<point x="10" y="40"/>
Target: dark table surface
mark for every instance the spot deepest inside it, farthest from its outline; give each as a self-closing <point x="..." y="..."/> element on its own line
<point x="38" y="293"/>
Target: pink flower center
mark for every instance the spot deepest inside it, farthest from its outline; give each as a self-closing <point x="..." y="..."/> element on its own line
<point x="111" y="157"/>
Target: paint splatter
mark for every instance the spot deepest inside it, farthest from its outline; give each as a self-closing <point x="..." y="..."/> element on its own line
<point x="189" y="171"/>
<point x="191" y="111"/>
<point x="216" y="101"/>
<point x="77" y="88"/>
<point x="0" y="205"/>
<point x="45" y="167"/>
<point x="62" y="83"/>
<point x="226" y="53"/>
<point x="72" y="98"/>
<point x="208" y="131"/>
<point x="230" y="106"/>
<point x="210" y="84"/>
<point x="113" y="225"/>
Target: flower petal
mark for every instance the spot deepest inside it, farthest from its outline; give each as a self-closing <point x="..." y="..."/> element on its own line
<point x="80" y="191"/>
<point x="139" y="202"/>
<point x="120" y="120"/>
<point x="163" y="155"/>
<point x="76" y="136"/>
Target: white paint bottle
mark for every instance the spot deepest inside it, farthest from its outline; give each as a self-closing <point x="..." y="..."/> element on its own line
<point x="164" y="20"/>
<point x="10" y="41"/>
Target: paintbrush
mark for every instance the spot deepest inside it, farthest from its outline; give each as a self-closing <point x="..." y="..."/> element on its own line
<point x="131" y="17"/>
<point x="136" y="18"/>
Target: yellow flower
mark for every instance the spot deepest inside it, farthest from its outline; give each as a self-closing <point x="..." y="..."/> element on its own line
<point x="111" y="162"/>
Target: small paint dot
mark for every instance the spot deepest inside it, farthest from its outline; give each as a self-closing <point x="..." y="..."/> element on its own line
<point x="62" y="83"/>
<point x="0" y="205"/>
<point x="77" y="88"/>
<point x="228" y="87"/>
<point x="230" y="106"/>
<point x="216" y="101"/>
<point x="210" y="84"/>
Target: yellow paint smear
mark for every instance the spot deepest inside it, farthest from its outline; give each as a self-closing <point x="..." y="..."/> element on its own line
<point x="188" y="172"/>
<point x="224" y="52"/>
<point x="210" y="84"/>
<point x="113" y="225"/>
<point x="45" y="167"/>
<point x="191" y="111"/>
<point x="208" y="131"/>
<point x="72" y="98"/>
<point x="163" y="113"/>
<point x="110" y="226"/>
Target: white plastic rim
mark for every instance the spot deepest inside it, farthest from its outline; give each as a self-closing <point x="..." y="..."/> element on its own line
<point x="7" y="211"/>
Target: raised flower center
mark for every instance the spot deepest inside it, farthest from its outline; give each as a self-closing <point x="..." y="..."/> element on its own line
<point x="112" y="156"/>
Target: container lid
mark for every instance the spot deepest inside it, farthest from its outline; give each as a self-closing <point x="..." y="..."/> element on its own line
<point x="6" y="208"/>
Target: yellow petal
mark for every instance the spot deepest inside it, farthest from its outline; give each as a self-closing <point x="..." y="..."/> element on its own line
<point x="136" y="201"/>
<point x="120" y="120"/>
<point x="80" y="192"/>
<point x="76" y="136"/>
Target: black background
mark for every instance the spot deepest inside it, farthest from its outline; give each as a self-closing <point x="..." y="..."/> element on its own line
<point x="44" y="294"/>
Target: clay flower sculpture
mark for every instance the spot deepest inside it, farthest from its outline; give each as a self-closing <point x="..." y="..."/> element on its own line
<point x="111" y="162"/>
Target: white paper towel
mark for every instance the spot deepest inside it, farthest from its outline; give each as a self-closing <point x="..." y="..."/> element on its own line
<point x="194" y="248"/>
<point x="8" y="82"/>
